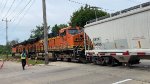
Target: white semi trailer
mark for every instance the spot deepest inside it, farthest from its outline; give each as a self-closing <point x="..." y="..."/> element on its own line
<point x="120" y="38"/>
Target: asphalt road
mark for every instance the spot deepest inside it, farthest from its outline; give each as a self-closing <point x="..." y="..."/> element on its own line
<point x="74" y="73"/>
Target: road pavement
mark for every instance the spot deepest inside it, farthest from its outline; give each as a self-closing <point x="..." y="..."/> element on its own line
<point x="74" y="73"/>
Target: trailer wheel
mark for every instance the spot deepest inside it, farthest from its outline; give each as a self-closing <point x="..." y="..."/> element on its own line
<point x="126" y="64"/>
<point x="113" y="61"/>
<point x="103" y="61"/>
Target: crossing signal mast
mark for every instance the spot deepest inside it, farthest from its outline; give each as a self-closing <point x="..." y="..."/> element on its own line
<point x="6" y="20"/>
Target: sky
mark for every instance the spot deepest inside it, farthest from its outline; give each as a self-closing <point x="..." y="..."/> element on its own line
<point x="24" y="18"/>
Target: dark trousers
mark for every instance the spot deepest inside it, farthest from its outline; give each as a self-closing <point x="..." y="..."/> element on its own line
<point x="23" y="63"/>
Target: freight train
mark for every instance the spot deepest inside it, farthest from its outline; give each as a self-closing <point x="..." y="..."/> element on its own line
<point x="119" y="38"/>
<point x="68" y="45"/>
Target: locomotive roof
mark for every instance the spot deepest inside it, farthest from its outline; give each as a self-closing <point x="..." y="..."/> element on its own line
<point x="33" y="40"/>
<point x="69" y="27"/>
<point x="62" y="30"/>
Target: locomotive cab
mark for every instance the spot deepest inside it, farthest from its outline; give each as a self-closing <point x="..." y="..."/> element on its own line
<point x="73" y="31"/>
<point x="69" y="31"/>
<point x="73" y="37"/>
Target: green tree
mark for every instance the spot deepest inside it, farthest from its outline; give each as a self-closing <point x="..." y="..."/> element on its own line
<point x="7" y="49"/>
<point x="2" y="49"/>
<point x="84" y="14"/>
<point x="56" y="28"/>
<point x="13" y="42"/>
<point x="38" y="32"/>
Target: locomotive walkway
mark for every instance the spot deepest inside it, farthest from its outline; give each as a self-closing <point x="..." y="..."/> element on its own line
<point x="71" y="73"/>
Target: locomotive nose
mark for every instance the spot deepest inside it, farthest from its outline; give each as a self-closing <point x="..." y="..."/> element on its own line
<point x="79" y="38"/>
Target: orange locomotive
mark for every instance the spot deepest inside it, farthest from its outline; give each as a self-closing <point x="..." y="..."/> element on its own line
<point x="68" y="45"/>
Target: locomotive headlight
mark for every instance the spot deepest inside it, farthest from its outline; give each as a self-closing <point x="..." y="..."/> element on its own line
<point x="81" y="36"/>
<point x="76" y="39"/>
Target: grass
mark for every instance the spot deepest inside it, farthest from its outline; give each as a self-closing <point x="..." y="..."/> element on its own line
<point x="3" y="56"/>
<point x="30" y="61"/>
<point x="33" y="62"/>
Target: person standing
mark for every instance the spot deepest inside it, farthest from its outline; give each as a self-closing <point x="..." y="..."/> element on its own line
<point x="23" y="58"/>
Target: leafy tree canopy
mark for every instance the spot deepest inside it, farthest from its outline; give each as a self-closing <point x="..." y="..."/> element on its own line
<point x="84" y="14"/>
<point x="13" y="42"/>
<point x="56" y="28"/>
<point x="7" y="49"/>
<point x="38" y="32"/>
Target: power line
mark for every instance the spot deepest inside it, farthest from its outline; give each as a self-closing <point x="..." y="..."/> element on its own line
<point x="17" y="15"/>
<point x="4" y="6"/>
<point x="134" y="1"/>
<point x="1" y="4"/>
<point x="26" y="12"/>
<point x="89" y="5"/>
<point x="13" y="11"/>
<point x="9" y="8"/>
<point x="76" y="2"/>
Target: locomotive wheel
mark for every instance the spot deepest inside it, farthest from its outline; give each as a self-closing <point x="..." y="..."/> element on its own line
<point x="61" y="59"/>
<point x="68" y="59"/>
<point x="103" y="63"/>
<point x="82" y="60"/>
<point x="94" y="62"/>
<point x="54" y="59"/>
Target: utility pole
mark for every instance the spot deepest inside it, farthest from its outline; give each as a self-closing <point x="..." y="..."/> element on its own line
<point x="95" y="8"/>
<point x="6" y="35"/>
<point x="45" y="32"/>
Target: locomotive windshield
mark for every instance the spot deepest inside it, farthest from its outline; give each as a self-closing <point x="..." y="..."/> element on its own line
<point x="73" y="31"/>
